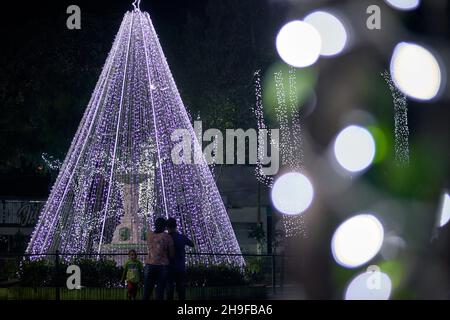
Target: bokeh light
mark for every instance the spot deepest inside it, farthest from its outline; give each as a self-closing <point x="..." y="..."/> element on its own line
<point x="370" y="285"/>
<point x="298" y="44"/>
<point x="445" y="210"/>
<point x="404" y="4"/>
<point x="292" y="193"/>
<point x="354" y="148"/>
<point x="357" y="240"/>
<point x="415" y="71"/>
<point x="331" y="30"/>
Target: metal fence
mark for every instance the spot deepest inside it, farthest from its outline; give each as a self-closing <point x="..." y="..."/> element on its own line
<point x="261" y="277"/>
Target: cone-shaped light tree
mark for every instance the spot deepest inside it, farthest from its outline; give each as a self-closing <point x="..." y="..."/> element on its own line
<point x="119" y="163"/>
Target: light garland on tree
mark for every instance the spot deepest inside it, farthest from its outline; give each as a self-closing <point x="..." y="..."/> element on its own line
<point x="124" y="138"/>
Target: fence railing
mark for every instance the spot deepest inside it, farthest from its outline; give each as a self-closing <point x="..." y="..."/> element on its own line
<point x="262" y="274"/>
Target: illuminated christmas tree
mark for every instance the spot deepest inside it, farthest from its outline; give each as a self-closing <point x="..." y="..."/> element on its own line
<point x="119" y="163"/>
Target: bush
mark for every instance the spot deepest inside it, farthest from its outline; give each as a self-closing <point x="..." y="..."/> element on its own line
<point x="106" y="274"/>
<point x="8" y="269"/>
<point x="36" y="273"/>
<point x="94" y="273"/>
<point x="254" y="272"/>
<point x="99" y="273"/>
<point x="214" y="276"/>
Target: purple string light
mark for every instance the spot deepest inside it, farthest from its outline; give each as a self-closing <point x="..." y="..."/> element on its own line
<point x="122" y="149"/>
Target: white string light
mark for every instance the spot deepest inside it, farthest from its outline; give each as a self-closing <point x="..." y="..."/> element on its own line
<point x="401" y="130"/>
<point x="291" y="139"/>
<point x="51" y="162"/>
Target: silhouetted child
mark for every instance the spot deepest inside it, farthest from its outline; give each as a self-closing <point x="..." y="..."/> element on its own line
<point x="132" y="271"/>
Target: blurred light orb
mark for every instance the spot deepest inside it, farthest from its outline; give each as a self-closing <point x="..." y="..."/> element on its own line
<point x="392" y="245"/>
<point x="292" y="193"/>
<point x="357" y="240"/>
<point x="415" y="71"/>
<point x="445" y="210"/>
<point x="370" y="285"/>
<point x="403" y="4"/>
<point x="354" y="148"/>
<point x="331" y="30"/>
<point x="298" y="44"/>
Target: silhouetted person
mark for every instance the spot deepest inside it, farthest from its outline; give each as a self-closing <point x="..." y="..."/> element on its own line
<point x="160" y="251"/>
<point x="177" y="268"/>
